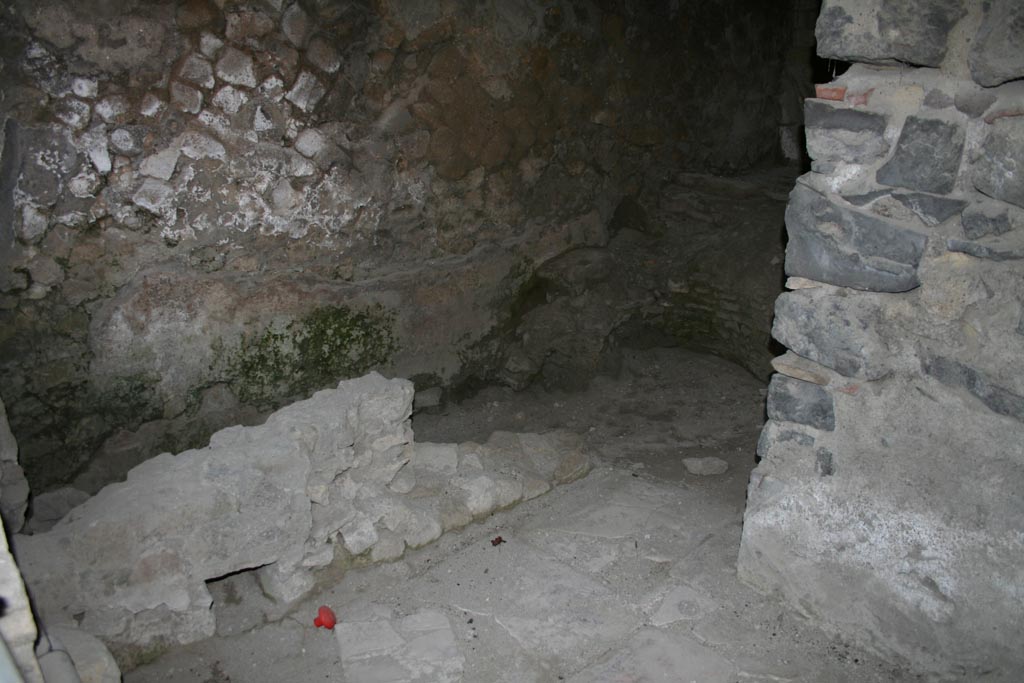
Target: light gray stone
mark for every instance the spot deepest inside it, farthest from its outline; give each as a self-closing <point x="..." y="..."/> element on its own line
<point x="93" y="661"/>
<point x="306" y="92"/>
<point x="162" y="164"/>
<point x="155" y="196"/>
<point x="49" y="507"/>
<point x="230" y="99"/>
<point x="419" y="648"/>
<point x="236" y="67"/>
<point x="112" y="109"/>
<point x="999" y="168"/>
<point x="17" y="624"/>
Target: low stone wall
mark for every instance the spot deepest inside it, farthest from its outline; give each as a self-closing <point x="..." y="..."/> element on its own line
<point x="887" y="499"/>
<point x="325" y="480"/>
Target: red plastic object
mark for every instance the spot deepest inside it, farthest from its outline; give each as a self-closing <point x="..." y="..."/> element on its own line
<point x="325" y="618"/>
<point x="497" y="540"/>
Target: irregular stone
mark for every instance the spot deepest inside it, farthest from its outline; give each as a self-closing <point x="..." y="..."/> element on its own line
<point x="310" y="143"/>
<point x="197" y="70"/>
<point x="997" y="51"/>
<point x="927" y="156"/>
<point x="296" y="25"/>
<point x="705" y="467"/>
<point x="953" y="373"/>
<point x="210" y="45"/>
<point x="995" y="250"/>
<point x="245" y="24"/>
<point x="186" y="98"/>
<point x="155" y="196"/>
<point x="13" y="485"/>
<point x="973" y="101"/>
<point x="74" y="113"/>
<point x="151" y="105"/>
<point x="33" y="224"/>
<point x="230" y="99"/>
<point x="322" y="54"/>
<point x="17" y="624"/>
<point x="112" y="109"/>
<point x="198" y="146"/>
<point x="162" y="164"/>
<point x="840" y="133"/>
<point x="123" y="141"/>
<point x="95" y="144"/>
<point x="236" y="67"/>
<point x="93" y="661"/>
<point x="930" y="209"/>
<point x="846" y="247"/>
<point x="985" y="218"/>
<point x="913" y="31"/>
<point x="999" y="168"/>
<point x="839" y="333"/>
<point x="306" y="92"/>
<point x="793" y="400"/>
<point x="86" y="88"/>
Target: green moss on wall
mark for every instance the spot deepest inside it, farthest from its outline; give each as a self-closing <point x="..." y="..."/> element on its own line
<point x="310" y="353"/>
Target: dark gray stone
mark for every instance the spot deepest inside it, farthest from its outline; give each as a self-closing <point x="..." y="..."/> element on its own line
<point x="927" y="156"/>
<point x="792" y="400"/>
<point x="955" y="374"/>
<point x="824" y="114"/>
<point x="913" y="31"/>
<point x="847" y="247"/>
<point x="937" y="99"/>
<point x="765" y="441"/>
<point x="840" y="133"/>
<point x="930" y="209"/>
<point x="992" y="252"/>
<point x="837" y="332"/>
<point x="973" y="101"/>
<point x="999" y="170"/>
<point x="867" y="197"/>
<point x="985" y="218"/>
<point x="997" y="51"/>
<point x="10" y="168"/>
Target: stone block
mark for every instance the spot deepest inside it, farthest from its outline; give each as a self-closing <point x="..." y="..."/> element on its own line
<point x="1005" y="249"/>
<point x="930" y="209"/>
<point x="911" y="31"/>
<point x="306" y="92"/>
<point x="997" y="51"/>
<point x="987" y="218"/>
<point x="793" y="400"/>
<point x="237" y="68"/>
<point x="186" y="98"/>
<point x="840" y="333"/>
<point x="953" y="373"/>
<point x="841" y="245"/>
<point x="999" y="168"/>
<point x="197" y="71"/>
<point x="927" y="156"/>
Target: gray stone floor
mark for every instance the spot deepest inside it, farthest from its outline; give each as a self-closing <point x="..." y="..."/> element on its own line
<point x="626" y="575"/>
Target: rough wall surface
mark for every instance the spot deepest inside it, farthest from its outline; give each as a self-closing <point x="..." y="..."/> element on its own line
<point x="209" y="208"/>
<point x="325" y="480"/>
<point x="887" y="499"/>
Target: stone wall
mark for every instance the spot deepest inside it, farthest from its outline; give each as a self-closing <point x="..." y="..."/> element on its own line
<point x="332" y="480"/>
<point x="887" y="499"/>
<point x="209" y="208"/>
